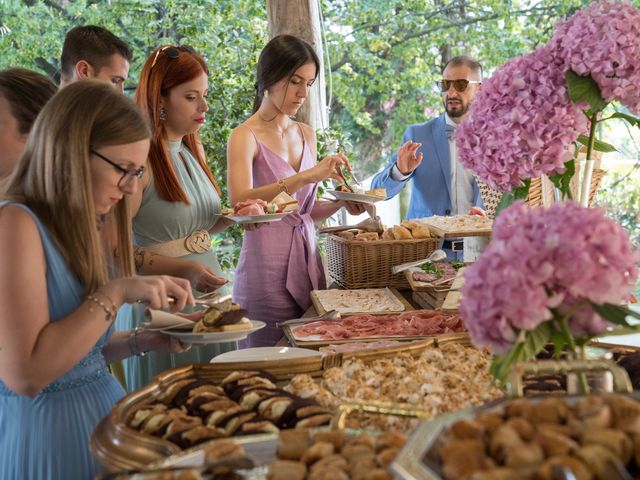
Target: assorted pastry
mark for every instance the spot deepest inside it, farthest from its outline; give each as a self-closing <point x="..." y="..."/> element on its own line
<point x="332" y="455"/>
<point x="193" y="410"/>
<point x="526" y="439"/>
<point x="440" y="380"/>
<point x="223" y="317"/>
<point x="282" y="203"/>
<point x="407" y="230"/>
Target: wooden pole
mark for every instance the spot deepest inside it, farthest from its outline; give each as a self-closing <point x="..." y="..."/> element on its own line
<point x="302" y="19"/>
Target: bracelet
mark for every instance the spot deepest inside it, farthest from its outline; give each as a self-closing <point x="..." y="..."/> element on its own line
<point x="109" y="311"/>
<point x="133" y="345"/>
<point x="283" y="187"/>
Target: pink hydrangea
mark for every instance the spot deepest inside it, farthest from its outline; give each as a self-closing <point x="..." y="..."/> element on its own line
<point x="603" y="40"/>
<point x="522" y="123"/>
<point x="543" y="259"/>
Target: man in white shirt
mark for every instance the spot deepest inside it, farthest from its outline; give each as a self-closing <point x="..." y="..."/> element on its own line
<point x="441" y="185"/>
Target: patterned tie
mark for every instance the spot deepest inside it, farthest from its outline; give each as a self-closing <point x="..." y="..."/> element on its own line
<point x="450" y="130"/>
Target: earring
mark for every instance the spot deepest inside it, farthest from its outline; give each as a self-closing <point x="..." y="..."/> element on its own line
<point x="266" y="93"/>
<point x="163" y="114"/>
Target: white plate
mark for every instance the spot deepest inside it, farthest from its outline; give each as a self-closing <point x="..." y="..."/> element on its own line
<point x="215" y="337"/>
<point x="264" y="353"/>
<point x="267" y="217"/>
<point x="355" y="197"/>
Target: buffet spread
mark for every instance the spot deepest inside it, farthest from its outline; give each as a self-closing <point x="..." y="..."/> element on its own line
<point x="394" y="389"/>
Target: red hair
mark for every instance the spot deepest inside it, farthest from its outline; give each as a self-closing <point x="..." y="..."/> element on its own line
<point x="154" y="84"/>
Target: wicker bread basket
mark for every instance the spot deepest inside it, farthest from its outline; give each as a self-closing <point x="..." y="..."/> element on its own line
<point x="355" y="264"/>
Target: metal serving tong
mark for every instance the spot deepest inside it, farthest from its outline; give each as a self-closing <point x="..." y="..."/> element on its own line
<point x="331" y="316"/>
<point x="436" y="256"/>
<point x="207" y="300"/>
<point x="368" y="225"/>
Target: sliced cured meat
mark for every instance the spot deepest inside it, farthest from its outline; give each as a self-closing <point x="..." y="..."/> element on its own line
<point x="414" y="323"/>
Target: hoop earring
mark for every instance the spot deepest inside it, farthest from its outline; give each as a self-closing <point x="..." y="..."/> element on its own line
<point x="163" y="114"/>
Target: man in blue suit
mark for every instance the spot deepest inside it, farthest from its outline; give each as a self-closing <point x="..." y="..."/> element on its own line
<point x="441" y="185"/>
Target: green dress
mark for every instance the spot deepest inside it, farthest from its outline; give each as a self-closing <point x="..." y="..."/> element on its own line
<point x="159" y="221"/>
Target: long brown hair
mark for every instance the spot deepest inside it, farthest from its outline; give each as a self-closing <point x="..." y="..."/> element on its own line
<point x="159" y="75"/>
<point x="53" y="177"/>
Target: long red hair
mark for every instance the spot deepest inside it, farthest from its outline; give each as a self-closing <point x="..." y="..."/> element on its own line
<point x="155" y="83"/>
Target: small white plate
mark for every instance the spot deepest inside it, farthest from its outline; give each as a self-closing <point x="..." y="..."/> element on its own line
<point x="264" y="353"/>
<point x="355" y="197"/>
<point x="215" y="337"/>
<point x="266" y="218"/>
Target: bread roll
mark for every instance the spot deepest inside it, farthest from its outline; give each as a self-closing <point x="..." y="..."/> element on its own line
<point x="420" y="231"/>
<point x="388" y="234"/>
<point x="367" y="237"/>
<point x="410" y="224"/>
<point x="348" y="235"/>
<point x="401" y="233"/>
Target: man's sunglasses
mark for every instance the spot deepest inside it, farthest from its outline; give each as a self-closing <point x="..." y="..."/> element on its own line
<point x="127" y="175"/>
<point x="460" y="85"/>
<point x="171" y="52"/>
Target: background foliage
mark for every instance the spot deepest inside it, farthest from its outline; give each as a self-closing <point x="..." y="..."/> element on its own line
<point x="385" y="55"/>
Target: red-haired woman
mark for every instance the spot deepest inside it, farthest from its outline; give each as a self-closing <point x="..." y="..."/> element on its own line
<point x="177" y="206"/>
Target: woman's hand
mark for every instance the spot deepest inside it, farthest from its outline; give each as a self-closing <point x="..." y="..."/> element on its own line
<point x="354" y="208"/>
<point x="477" y="211"/>
<point x="150" y="340"/>
<point x="153" y="290"/>
<point x="326" y="168"/>
<point x="202" y="278"/>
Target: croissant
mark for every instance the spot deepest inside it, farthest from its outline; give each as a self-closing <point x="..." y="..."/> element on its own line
<point x="577" y="467"/>
<point x="616" y="441"/>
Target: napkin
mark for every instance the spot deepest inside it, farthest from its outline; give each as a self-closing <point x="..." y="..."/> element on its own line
<point x="161" y="320"/>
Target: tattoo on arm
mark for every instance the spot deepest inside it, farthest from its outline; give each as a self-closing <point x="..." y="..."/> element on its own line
<point x="140" y="257"/>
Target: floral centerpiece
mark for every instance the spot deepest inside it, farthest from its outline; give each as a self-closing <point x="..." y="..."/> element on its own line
<point x="531" y="115"/>
<point x="549" y="275"/>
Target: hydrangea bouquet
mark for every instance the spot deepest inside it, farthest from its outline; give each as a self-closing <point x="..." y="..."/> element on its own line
<point x="557" y="274"/>
<point x="531" y="116"/>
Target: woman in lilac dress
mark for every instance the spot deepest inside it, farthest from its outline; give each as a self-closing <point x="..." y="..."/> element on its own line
<point x="271" y="153"/>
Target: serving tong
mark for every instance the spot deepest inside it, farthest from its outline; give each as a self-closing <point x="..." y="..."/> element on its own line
<point x="368" y="225"/>
<point x="331" y="316"/>
<point x="436" y="256"/>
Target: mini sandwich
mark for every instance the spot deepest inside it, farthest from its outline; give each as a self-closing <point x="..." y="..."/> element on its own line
<point x="377" y="192"/>
<point x="283" y="203"/>
<point x="223" y="317"/>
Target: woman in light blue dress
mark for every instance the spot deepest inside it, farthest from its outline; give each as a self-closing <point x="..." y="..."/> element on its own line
<point x="86" y="152"/>
<point x="179" y="202"/>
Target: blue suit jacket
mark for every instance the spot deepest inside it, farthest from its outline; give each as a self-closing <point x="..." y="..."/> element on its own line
<point x="431" y="194"/>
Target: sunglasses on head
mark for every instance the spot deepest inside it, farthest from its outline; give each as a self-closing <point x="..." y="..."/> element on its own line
<point x="171" y="52"/>
<point x="460" y="85"/>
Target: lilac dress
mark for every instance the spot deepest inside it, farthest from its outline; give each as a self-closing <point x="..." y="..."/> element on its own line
<point x="279" y="263"/>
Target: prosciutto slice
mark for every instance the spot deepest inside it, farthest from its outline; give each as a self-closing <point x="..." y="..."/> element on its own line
<point x="408" y="324"/>
<point x="250" y="207"/>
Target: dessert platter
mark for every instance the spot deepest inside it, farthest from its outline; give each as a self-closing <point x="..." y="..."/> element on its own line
<point x="458" y="225"/>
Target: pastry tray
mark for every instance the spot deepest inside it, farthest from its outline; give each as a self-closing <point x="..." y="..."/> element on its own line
<point x="322" y="310"/>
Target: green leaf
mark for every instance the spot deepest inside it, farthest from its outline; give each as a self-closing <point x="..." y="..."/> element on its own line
<point x="559" y="342"/>
<point x="585" y="89"/>
<point x="634" y="121"/>
<point x="508" y="198"/>
<point x="616" y="314"/>
<point x="598" y="145"/>
<point x="533" y="343"/>
<point x="562" y="181"/>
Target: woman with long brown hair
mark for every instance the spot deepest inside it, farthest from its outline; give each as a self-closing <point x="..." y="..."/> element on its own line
<point x="271" y="153"/>
<point x="60" y="290"/>
<point x="179" y="201"/>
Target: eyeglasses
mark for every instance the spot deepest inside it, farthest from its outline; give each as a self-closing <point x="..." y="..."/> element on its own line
<point x="171" y="52"/>
<point x="127" y="175"/>
<point x="460" y="85"/>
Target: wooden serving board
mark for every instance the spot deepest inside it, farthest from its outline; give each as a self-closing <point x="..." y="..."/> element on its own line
<point x="455" y="233"/>
<point x="321" y="310"/>
<point x="417" y="286"/>
<point x="429" y="300"/>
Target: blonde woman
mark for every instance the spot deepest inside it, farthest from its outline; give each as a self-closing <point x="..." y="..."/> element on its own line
<point x="59" y="292"/>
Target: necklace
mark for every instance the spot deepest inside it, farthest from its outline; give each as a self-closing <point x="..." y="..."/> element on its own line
<point x="281" y="132"/>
